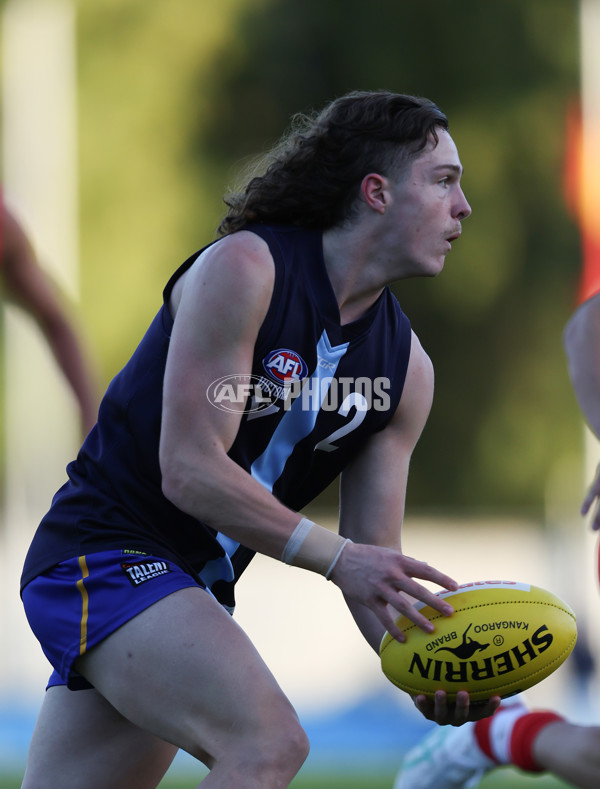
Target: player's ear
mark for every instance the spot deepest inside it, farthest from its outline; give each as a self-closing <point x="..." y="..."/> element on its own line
<point x="374" y="191"/>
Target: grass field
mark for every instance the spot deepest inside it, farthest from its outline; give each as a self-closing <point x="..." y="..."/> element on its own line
<point x="501" y="779"/>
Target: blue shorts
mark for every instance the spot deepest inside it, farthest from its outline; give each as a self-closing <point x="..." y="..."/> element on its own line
<point x="78" y="603"/>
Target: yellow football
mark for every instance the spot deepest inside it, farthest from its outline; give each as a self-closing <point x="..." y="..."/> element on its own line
<point x="502" y="638"/>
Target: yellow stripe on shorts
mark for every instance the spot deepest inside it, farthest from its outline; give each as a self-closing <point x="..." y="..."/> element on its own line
<point x="84" y="607"/>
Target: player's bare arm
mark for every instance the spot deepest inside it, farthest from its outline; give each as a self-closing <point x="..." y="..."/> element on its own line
<point x="26" y="285"/>
<point x="31" y="288"/>
<point x="218" y="312"/>
<point x="582" y="346"/>
<point x="373" y="492"/>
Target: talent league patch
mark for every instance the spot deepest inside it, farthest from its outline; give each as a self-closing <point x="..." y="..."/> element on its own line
<point x="140" y="572"/>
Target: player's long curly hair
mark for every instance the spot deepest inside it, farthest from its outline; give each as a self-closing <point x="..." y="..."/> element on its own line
<point x="312" y="176"/>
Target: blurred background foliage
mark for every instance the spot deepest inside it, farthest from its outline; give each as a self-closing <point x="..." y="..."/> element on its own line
<point x="174" y="97"/>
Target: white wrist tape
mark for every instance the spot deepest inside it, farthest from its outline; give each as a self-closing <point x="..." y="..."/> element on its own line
<point x="313" y="548"/>
<point x="336" y="557"/>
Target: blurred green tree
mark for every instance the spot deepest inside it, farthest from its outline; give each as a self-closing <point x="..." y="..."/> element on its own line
<point x="144" y="205"/>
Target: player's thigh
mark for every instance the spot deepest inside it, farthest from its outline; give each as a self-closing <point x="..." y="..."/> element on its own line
<point x="184" y="670"/>
<point x="81" y="740"/>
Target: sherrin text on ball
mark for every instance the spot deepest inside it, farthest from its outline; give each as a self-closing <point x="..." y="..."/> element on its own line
<point x="503" y="637"/>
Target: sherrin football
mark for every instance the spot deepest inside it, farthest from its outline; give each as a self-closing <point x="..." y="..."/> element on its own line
<point x="502" y="638"/>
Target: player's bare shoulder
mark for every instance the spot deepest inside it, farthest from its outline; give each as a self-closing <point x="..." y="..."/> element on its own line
<point x="417" y="395"/>
<point x="420" y="372"/>
<point x="239" y="264"/>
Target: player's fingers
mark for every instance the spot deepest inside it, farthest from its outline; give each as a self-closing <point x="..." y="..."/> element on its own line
<point x="453" y="713"/>
<point x="418" y="569"/>
<point x="417" y="618"/>
<point x="423" y="594"/>
<point x="395" y="632"/>
<point x="440" y="707"/>
<point x="387" y="620"/>
<point x="484" y="709"/>
<point x="593" y="493"/>
<point x="586" y="506"/>
<point x="400" y="603"/>
<point x="587" y="503"/>
<point x="491" y="706"/>
<point x="461" y="708"/>
<point x="425" y="706"/>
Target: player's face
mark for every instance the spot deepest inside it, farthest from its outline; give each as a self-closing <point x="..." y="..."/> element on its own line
<point x="427" y="208"/>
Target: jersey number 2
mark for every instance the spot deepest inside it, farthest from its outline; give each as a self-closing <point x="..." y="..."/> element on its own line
<point x="356" y="400"/>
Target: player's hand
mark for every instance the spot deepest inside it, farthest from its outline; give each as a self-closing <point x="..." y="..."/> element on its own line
<point x="446" y="713"/>
<point x="593" y="495"/>
<point x="381" y="577"/>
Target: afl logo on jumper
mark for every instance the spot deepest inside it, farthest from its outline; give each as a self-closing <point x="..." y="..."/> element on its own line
<point x="285" y="366"/>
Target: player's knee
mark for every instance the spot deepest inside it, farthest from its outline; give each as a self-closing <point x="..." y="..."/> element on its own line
<point x="295" y="746"/>
<point x="283" y="749"/>
<point x="269" y="752"/>
<point x="276" y="752"/>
